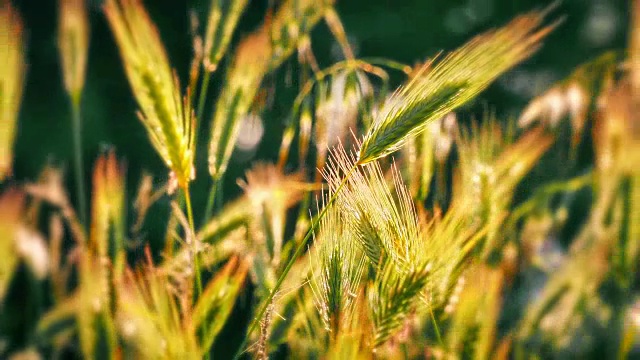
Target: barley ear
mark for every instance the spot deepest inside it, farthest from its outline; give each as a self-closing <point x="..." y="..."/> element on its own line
<point x="73" y="41"/>
<point x="167" y="116"/>
<point x="439" y="88"/>
<point x="12" y="70"/>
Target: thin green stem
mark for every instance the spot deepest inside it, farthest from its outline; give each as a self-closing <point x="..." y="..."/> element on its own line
<point x="219" y="194"/>
<point x="78" y="161"/>
<point x="293" y="259"/>
<point x="435" y="327"/>
<point x="202" y="97"/>
<point x="208" y="212"/>
<point x="196" y="259"/>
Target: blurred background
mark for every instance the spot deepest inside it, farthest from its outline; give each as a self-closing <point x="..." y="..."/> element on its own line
<point x="403" y="30"/>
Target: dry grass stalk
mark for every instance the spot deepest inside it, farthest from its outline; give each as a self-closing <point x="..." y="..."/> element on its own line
<point x="12" y="72"/>
<point x="73" y="40"/>
<point x="167" y="117"/>
<point x="437" y="89"/>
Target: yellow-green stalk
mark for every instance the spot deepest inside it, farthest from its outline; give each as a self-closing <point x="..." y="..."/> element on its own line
<point x="73" y="41"/>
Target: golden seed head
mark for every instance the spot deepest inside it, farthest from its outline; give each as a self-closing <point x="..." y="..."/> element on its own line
<point x="165" y="113"/>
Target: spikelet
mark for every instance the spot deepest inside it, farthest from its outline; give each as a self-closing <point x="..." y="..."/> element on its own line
<point x="392" y="296"/>
<point x="438" y="89"/>
<point x="167" y="116"/>
<point x="220" y="25"/>
<point x="73" y="40"/>
<point x="258" y="53"/>
<point x="475" y="318"/>
<point x="108" y="210"/>
<point x="383" y="227"/>
<point x="214" y="306"/>
<point x="243" y="80"/>
<point x="12" y="69"/>
<point x="148" y="318"/>
<point x="270" y="194"/>
<point x="492" y="163"/>
<point x="340" y="265"/>
<point x="337" y="111"/>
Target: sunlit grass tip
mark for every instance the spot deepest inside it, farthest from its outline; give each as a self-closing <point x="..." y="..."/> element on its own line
<point x="441" y="86"/>
<point x="166" y="114"/>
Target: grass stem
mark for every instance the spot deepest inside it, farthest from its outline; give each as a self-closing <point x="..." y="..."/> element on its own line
<point x="76" y="118"/>
<point x="293" y="259"/>
<point x="436" y="329"/>
<point x="202" y="98"/>
<point x="208" y="212"/>
<point x="196" y="259"/>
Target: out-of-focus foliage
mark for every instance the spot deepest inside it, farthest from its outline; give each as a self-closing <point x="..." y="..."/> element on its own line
<point x="432" y="234"/>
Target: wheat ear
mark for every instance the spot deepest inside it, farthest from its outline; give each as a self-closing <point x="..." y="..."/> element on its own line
<point x="439" y="88"/>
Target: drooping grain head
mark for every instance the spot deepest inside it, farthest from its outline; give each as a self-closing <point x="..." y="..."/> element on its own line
<point x="572" y="97"/>
<point x="437" y="89"/>
<point x="73" y="41"/>
<point x="167" y="116"/>
<point x="12" y="70"/>
<point x="337" y="110"/>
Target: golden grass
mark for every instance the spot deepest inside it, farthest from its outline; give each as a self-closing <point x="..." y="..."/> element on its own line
<point x="166" y="115"/>
<point x="12" y="72"/>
